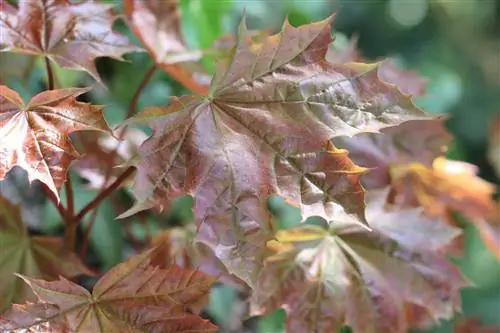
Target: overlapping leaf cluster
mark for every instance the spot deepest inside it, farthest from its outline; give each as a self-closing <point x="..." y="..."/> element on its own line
<point x="284" y="115"/>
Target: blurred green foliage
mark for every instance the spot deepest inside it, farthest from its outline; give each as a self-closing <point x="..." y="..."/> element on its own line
<point x="455" y="44"/>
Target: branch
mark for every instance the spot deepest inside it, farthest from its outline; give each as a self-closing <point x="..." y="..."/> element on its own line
<point x="142" y="85"/>
<point x="57" y="204"/>
<point x="104" y="194"/>
<point x="107" y="191"/>
<point x="69" y="196"/>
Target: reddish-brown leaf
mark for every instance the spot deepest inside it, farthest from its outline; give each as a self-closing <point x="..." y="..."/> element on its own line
<point x="345" y="274"/>
<point x="448" y="187"/>
<point x="264" y="130"/>
<point x="34" y="256"/>
<point x="71" y="35"/>
<point x="25" y="315"/>
<point x="179" y="246"/>
<point x="99" y="156"/>
<point x="132" y="297"/>
<point x="35" y="136"/>
<point x="7" y="8"/>
<point x="445" y="187"/>
<point x="157" y="24"/>
<point x="408" y="81"/>
<point x="414" y="141"/>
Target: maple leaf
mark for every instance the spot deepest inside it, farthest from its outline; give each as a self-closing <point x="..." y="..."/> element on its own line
<point x="178" y="245"/>
<point x="449" y="187"/>
<point x="414" y="141"/>
<point x="158" y="26"/>
<point x="35" y="256"/>
<point x="132" y="297"/>
<point x="410" y="158"/>
<point x="263" y="130"/>
<point x="71" y="35"/>
<point x="446" y="186"/>
<point x="408" y="81"/>
<point x="346" y="275"/>
<point x="99" y="156"/>
<point x="40" y="311"/>
<point x="35" y="136"/>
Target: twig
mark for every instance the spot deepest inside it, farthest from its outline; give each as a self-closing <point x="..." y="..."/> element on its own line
<point x="69" y="196"/>
<point x="50" y="74"/>
<point x="104" y="194"/>
<point x="57" y="204"/>
<point x="106" y="191"/>
<point x="142" y="85"/>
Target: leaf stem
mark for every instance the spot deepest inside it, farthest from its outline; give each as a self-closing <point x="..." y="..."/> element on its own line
<point x="60" y="208"/>
<point x="50" y="74"/>
<point x="70" y="227"/>
<point x="68" y="185"/>
<point x="104" y="194"/>
<point x="133" y="104"/>
<point x="106" y="191"/>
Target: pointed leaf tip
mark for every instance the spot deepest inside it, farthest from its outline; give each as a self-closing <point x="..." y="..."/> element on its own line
<point x="25" y="128"/>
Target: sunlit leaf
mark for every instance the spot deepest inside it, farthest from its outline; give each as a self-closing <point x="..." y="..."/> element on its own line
<point x="414" y="141"/>
<point x="361" y="278"/>
<point x="265" y="130"/>
<point x="449" y="187"/>
<point x="35" y="136"/>
<point x="445" y="187"/>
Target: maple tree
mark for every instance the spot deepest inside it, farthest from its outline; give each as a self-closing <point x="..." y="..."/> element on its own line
<point x="337" y="137"/>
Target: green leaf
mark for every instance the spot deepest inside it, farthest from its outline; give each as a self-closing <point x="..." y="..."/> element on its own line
<point x="203" y="22"/>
